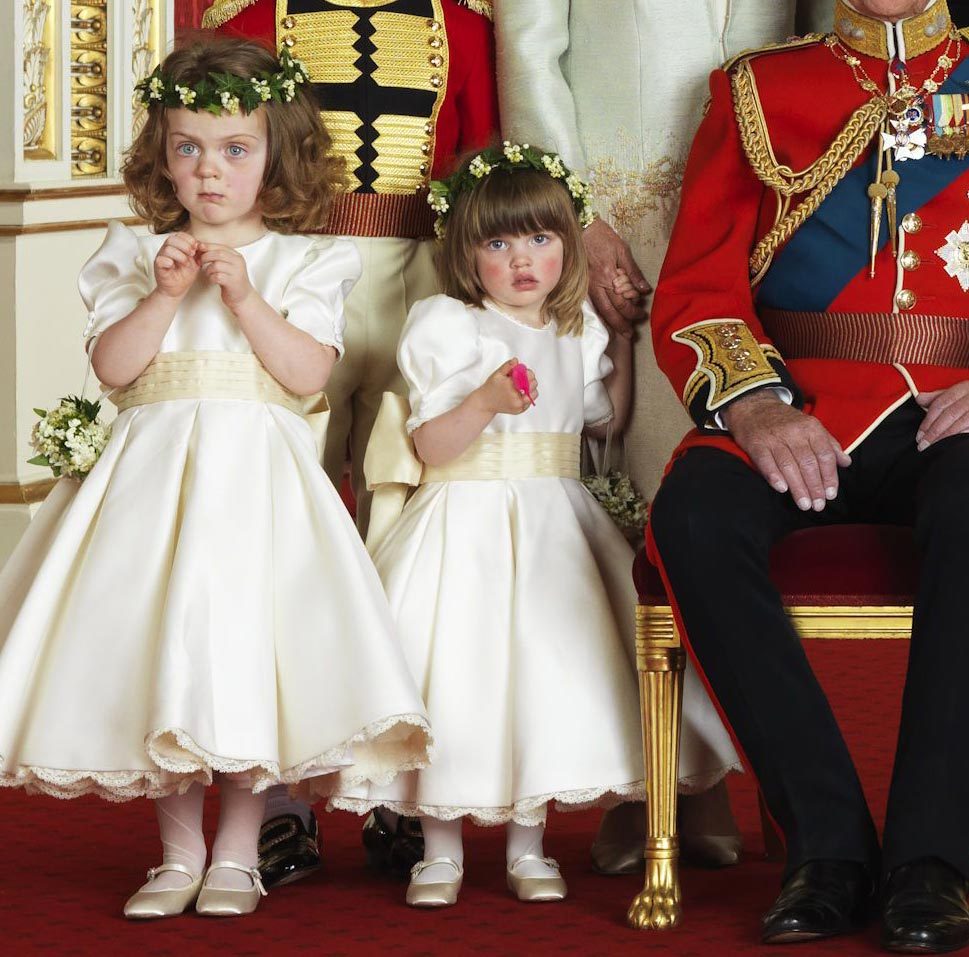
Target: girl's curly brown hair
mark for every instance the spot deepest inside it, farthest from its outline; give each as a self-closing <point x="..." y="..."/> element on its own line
<point x="301" y="173"/>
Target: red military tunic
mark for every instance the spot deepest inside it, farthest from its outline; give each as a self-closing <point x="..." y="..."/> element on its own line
<point x="850" y="347"/>
<point x="406" y="86"/>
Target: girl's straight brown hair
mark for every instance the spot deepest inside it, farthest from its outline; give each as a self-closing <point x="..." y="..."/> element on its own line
<point x="516" y="202"/>
<point x="301" y="173"/>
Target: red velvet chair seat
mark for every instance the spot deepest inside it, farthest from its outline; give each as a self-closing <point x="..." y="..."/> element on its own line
<point x="834" y="565"/>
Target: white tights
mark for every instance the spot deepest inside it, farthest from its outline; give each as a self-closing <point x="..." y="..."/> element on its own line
<point x="236" y="840"/>
<point x="443" y="839"/>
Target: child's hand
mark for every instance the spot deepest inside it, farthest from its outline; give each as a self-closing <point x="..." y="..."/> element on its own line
<point x="225" y="267"/>
<point x="499" y="393"/>
<point x="176" y="266"/>
<point x="622" y="286"/>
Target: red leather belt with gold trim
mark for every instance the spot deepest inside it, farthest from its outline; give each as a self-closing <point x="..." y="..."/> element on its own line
<point x="869" y="336"/>
<point x="398" y="215"/>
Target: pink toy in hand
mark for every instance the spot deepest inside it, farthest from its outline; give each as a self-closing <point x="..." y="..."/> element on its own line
<point x="519" y="378"/>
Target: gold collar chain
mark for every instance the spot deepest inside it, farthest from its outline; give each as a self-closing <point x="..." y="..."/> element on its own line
<point x="868" y="35"/>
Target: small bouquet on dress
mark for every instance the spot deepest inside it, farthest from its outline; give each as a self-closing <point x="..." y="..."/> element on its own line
<point x="615" y="492"/>
<point x="69" y="439"/>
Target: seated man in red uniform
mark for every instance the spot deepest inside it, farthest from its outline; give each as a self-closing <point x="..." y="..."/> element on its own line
<point x="813" y="314"/>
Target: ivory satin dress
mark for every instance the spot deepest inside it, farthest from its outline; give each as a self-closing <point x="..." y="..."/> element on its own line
<point x="202" y="601"/>
<point x="514" y="599"/>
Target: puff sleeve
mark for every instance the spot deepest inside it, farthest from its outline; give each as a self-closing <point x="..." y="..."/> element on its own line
<point x="439" y="357"/>
<point x="114" y="280"/>
<point x="313" y="298"/>
<point x="596" y="365"/>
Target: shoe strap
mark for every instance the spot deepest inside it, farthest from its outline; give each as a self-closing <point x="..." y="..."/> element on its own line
<point x="547" y="861"/>
<point x="153" y="872"/>
<point x="423" y="865"/>
<point x="253" y="873"/>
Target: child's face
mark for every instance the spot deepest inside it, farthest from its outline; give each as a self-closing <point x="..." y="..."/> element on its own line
<point x="217" y="164"/>
<point x="519" y="272"/>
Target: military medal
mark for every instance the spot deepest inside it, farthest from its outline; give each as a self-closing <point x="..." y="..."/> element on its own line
<point x="955" y="255"/>
<point x="949" y="126"/>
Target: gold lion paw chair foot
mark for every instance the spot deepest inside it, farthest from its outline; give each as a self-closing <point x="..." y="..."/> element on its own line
<point x="842" y="581"/>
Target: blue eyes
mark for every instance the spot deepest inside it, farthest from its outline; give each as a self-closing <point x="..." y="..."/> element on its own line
<point x="233" y="150"/>
<point x="539" y="239"/>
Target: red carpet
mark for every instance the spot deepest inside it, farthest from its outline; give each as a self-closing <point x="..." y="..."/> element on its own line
<point x="67" y="868"/>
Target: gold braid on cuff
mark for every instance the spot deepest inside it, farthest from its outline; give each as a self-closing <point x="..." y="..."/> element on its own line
<point x="729" y="360"/>
<point x="817" y="180"/>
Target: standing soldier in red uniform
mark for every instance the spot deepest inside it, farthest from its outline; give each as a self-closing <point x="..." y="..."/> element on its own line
<point x="406" y="87"/>
<point x="813" y="314"/>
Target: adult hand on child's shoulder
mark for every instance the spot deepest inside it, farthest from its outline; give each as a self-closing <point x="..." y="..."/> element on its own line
<point x="226" y="268"/>
<point x="499" y="393"/>
<point x="176" y="266"/>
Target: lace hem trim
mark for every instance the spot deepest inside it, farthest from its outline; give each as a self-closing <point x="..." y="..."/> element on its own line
<point x="173" y="775"/>
<point x="698" y="783"/>
<point x="528" y="812"/>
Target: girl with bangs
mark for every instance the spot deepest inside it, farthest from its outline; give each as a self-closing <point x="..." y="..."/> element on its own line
<point x="510" y="585"/>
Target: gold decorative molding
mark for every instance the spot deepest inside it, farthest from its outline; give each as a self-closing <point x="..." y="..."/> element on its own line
<point x="67" y="226"/>
<point x="144" y="53"/>
<point x="40" y="103"/>
<point x="25" y="493"/>
<point x="829" y="622"/>
<point x="89" y="88"/>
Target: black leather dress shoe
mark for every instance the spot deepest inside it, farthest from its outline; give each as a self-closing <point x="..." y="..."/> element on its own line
<point x="820" y="899"/>
<point x="288" y="850"/>
<point x="393" y="851"/>
<point x="925" y="908"/>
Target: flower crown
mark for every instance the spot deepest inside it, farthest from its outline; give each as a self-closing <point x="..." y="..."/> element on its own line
<point x="224" y="92"/>
<point x="510" y="156"/>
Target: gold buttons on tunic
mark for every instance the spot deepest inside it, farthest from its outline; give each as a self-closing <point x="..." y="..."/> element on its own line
<point x="425" y="148"/>
<point x="289" y="22"/>
<point x="289" y="41"/>
<point x="422" y="168"/>
<point x="436" y="42"/>
<point x="428" y="128"/>
<point x="434" y="25"/>
<point x="905" y="299"/>
<point x="436" y="80"/>
<point x="910" y="259"/>
<point x="912" y="222"/>
<point x="435" y="59"/>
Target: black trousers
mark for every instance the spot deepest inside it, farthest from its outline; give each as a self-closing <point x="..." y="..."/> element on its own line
<point x="714" y="521"/>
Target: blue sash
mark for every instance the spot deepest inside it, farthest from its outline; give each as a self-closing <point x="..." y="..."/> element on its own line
<point x="833" y="246"/>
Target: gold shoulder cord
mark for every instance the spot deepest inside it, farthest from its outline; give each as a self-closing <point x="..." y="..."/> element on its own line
<point x="222" y="11"/>
<point x="817" y="180"/>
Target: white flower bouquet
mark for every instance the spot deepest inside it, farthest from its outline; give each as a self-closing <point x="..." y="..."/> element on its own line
<point x="69" y="438"/>
<point x="615" y="492"/>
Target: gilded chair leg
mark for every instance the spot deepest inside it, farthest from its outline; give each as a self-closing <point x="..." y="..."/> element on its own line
<point x="660" y="661"/>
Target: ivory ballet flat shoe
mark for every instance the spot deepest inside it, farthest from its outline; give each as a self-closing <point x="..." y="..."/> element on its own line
<point x="534" y="889"/>
<point x="150" y="905"/>
<point x="227" y="902"/>
<point x="435" y="893"/>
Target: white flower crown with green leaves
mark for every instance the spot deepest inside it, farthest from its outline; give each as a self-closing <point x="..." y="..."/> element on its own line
<point x="224" y="92"/>
<point x="509" y="156"/>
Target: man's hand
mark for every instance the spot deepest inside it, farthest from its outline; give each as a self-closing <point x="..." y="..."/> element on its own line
<point x="609" y="256"/>
<point x="946" y="413"/>
<point x="794" y="452"/>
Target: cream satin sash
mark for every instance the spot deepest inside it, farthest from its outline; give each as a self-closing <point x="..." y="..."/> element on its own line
<point x="219" y="375"/>
<point x="393" y="470"/>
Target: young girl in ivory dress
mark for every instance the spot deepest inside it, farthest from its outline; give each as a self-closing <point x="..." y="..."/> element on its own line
<point x="202" y="607"/>
<point x="510" y="586"/>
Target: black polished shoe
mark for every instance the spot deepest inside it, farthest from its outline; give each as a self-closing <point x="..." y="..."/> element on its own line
<point x="288" y="851"/>
<point x="393" y="852"/>
<point x="820" y="899"/>
<point x="924" y="909"/>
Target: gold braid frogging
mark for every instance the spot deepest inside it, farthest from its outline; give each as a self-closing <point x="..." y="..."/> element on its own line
<point x="817" y="180"/>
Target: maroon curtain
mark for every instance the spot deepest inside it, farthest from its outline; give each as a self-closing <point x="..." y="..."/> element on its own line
<point x="188" y="14"/>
